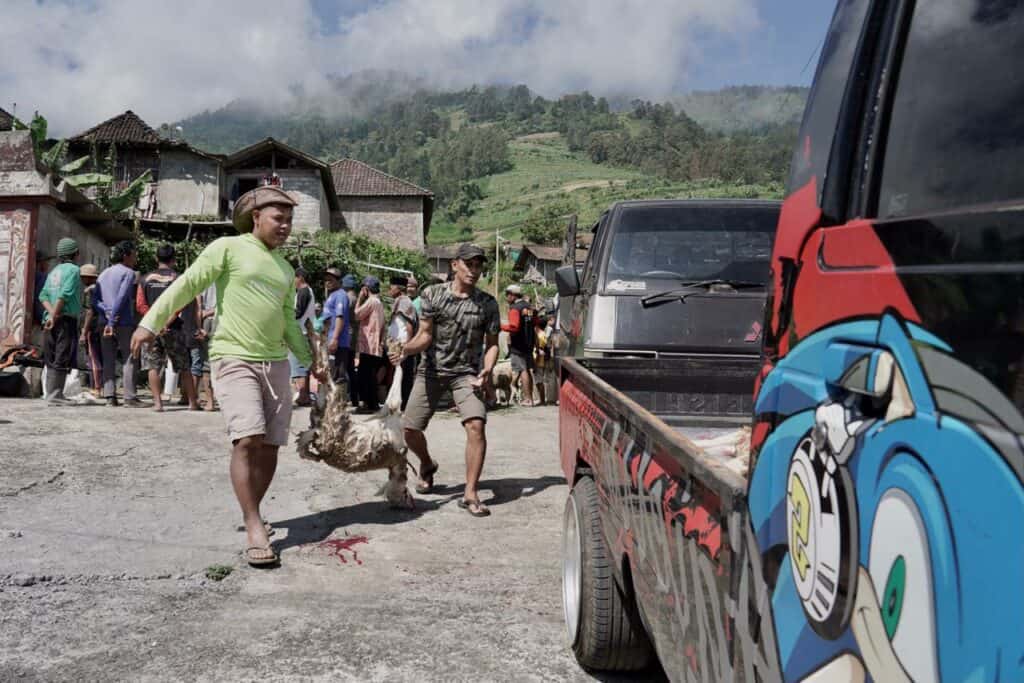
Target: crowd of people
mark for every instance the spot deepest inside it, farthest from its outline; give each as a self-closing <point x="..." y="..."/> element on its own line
<point x="234" y="326"/>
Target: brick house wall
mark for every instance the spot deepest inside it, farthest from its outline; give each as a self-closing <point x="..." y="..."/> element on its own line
<point x="395" y="220"/>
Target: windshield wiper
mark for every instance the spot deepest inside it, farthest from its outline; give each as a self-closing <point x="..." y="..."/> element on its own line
<point x="695" y="287"/>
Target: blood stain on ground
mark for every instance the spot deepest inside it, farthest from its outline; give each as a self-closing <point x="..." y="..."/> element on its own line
<point x="338" y="546"/>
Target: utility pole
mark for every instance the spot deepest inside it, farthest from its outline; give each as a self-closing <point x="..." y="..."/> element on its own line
<point x="497" y="261"/>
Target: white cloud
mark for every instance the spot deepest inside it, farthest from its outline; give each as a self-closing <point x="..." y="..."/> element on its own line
<point x="80" y="63"/>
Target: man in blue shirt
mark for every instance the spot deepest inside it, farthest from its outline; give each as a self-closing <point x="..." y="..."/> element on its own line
<point x="116" y="300"/>
<point x="337" y="323"/>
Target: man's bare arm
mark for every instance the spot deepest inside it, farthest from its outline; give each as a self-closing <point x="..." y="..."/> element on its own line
<point x="418" y="344"/>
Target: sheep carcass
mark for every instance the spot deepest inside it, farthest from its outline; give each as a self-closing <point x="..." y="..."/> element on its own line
<point x="337" y="440"/>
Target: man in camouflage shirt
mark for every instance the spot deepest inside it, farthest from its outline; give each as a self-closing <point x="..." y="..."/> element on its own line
<point x="458" y="336"/>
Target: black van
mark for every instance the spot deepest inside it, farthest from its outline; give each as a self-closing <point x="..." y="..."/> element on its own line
<point x="671" y="277"/>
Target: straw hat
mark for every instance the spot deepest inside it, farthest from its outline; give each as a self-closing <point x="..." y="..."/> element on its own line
<point x="88" y="270"/>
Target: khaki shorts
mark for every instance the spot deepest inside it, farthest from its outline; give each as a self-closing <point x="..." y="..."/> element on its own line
<point x="427" y="393"/>
<point x="255" y="398"/>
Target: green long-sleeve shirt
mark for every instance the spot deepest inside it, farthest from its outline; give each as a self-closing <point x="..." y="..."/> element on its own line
<point x="255" y="301"/>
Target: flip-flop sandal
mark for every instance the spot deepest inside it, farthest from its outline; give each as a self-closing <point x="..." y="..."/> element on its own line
<point x="427" y="475"/>
<point x="260" y="561"/>
<point x="469" y="505"/>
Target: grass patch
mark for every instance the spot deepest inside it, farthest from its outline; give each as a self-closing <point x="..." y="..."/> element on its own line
<point x="544" y="170"/>
<point x="218" y="572"/>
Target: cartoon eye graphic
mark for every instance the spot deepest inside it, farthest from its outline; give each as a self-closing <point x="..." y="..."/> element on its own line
<point x="891" y="598"/>
<point x="900" y="569"/>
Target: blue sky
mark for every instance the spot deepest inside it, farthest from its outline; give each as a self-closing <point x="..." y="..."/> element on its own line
<point x="775" y="54"/>
<point x="82" y="61"/>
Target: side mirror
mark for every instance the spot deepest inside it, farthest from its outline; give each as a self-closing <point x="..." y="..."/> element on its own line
<point x="567" y="280"/>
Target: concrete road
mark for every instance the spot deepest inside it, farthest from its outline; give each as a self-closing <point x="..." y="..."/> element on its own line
<point x="110" y="517"/>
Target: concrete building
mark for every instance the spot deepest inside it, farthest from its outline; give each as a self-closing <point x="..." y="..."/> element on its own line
<point x="186" y="182"/>
<point x="381" y="206"/>
<point x="306" y="179"/>
<point x="191" y="188"/>
<point x="35" y="212"/>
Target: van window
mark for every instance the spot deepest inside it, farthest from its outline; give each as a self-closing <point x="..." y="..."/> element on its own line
<point x="686" y="243"/>
<point x="956" y="133"/>
<point x="826" y="98"/>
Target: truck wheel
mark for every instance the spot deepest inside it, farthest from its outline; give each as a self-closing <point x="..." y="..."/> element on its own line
<point x="603" y="624"/>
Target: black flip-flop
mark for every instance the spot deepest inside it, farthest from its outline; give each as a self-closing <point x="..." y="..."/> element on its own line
<point x="427" y="475"/>
<point x="468" y="505"/>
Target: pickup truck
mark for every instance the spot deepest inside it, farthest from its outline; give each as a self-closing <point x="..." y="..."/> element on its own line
<point x="872" y="528"/>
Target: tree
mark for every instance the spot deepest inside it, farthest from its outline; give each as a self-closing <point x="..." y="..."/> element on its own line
<point x="546" y="224"/>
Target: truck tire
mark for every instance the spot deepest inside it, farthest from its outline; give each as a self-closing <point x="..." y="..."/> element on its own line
<point x="602" y="621"/>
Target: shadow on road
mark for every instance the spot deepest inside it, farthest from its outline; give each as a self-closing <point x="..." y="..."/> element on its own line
<point x="504" y="490"/>
<point x="318" y="526"/>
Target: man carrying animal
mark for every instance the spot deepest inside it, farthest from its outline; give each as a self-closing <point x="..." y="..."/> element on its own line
<point x="522" y="330"/>
<point x="249" y="351"/>
<point x="458" y="337"/>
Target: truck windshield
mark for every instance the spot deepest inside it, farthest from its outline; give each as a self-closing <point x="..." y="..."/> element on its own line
<point x="689" y="243"/>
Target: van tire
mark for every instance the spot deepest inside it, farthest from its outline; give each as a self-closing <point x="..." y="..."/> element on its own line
<point x="609" y="635"/>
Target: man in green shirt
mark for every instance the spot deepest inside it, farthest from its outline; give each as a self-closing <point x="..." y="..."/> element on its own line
<point x="61" y="298"/>
<point x="256" y="328"/>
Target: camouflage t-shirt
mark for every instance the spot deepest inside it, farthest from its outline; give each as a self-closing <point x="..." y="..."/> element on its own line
<point x="460" y="324"/>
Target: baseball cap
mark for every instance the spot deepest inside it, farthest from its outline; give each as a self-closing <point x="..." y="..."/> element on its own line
<point x="372" y="283"/>
<point x="467" y="251"/>
<point x="257" y="199"/>
<point x="514" y="289"/>
<point x="348" y="282"/>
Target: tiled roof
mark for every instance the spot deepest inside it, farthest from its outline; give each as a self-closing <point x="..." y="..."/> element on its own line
<point x="123" y="128"/>
<point x="6" y="121"/>
<point x="354" y="178"/>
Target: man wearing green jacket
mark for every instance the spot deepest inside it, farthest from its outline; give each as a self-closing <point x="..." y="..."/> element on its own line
<point x="61" y="298"/>
<point x="256" y="328"/>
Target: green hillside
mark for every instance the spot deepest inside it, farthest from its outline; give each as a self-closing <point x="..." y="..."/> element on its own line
<point x="504" y="158"/>
<point x="546" y="172"/>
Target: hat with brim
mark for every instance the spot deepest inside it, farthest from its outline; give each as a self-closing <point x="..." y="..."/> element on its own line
<point x="88" y="270"/>
<point x="257" y="199"/>
<point x="333" y="272"/>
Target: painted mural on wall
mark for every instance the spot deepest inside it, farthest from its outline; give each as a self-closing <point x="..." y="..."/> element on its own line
<point x="890" y="493"/>
<point x="14" y="235"/>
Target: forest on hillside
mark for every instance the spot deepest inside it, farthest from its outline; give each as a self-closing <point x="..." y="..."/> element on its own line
<point x="446" y="140"/>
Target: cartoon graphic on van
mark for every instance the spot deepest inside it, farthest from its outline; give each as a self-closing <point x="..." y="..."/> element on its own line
<point x="889" y="499"/>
